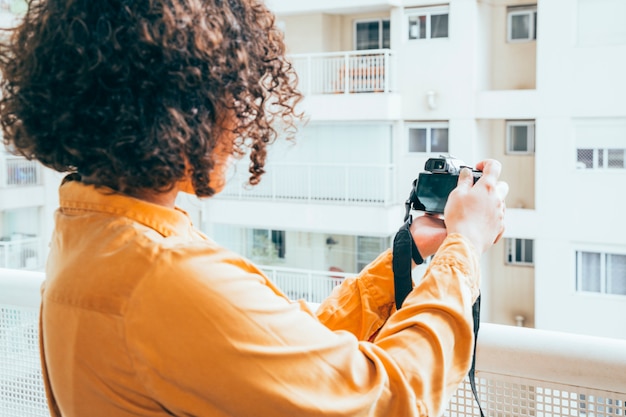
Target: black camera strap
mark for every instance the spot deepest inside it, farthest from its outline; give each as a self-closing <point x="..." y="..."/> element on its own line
<point x="404" y="250"/>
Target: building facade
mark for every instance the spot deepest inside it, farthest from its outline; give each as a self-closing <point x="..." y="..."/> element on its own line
<point x="390" y="83"/>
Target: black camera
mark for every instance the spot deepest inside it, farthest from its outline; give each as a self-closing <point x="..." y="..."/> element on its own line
<point x="432" y="187"/>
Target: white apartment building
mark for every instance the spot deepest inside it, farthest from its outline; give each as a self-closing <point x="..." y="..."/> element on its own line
<point x="27" y="194"/>
<point x="539" y="86"/>
<point x="388" y="84"/>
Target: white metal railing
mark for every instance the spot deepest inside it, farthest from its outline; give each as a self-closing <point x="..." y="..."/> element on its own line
<point x="520" y="372"/>
<point x="346" y="72"/>
<point x="323" y="183"/>
<point x="21" y="384"/>
<point x="313" y="286"/>
<point x="21" y="253"/>
<point x="16" y="171"/>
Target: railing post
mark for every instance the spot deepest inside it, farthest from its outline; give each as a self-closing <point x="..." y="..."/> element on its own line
<point x="346" y="184"/>
<point x="38" y="174"/>
<point x="240" y="183"/>
<point x="388" y="185"/>
<point x="309" y="69"/>
<point x="4" y="258"/>
<point x="346" y="64"/>
<point x="387" y="72"/>
<point x="309" y="184"/>
<point x="274" y="191"/>
<point x="3" y="170"/>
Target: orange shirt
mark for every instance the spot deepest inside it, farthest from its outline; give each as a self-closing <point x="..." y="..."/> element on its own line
<point x="142" y="315"/>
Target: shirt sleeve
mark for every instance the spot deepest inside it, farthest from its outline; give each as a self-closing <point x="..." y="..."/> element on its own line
<point x="361" y="304"/>
<point x="209" y="337"/>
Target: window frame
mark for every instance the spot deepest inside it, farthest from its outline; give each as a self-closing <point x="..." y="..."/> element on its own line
<point x="605" y="285"/>
<point x="530" y="139"/>
<point x="511" y="250"/>
<point x="600" y="159"/>
<point x="429" y="126"/>
<point x="272" y="236"/>
<point x="529" y="10"/>
<point x="362" y="257"/>
<point x="429" y="12"/>
<point x="381" y="40"/>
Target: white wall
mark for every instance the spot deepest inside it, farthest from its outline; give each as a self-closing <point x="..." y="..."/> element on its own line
<point x="446" y="66"/>
<point x="576" y="207"/>
<point x="311" y="33"/>
<point x="337" y="143"/>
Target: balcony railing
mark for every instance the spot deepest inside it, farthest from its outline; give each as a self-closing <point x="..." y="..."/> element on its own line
<point x="371" y="71"/>
<point x="313" y="286"/>
<point x="20" y="253"/>
<point x="321" y="183"/>
<point x="520" y="372"/>
<point x="21" y="385"/>
<point x="16" y="171"/>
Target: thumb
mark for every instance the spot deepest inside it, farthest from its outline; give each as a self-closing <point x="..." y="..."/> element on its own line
<point x="466" y="179"/>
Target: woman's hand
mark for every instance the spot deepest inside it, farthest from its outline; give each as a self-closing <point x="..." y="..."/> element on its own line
<point x="477" y="210"/>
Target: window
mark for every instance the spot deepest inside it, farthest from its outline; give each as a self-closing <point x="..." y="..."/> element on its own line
<point x="428" y="137"/>
<point x="372" y="34"/>
<point x="428" y="22"/>
<point x="267" y="244"/>
<point x="520" y="137"/>
<point x="368" y="248"/>
<point x="600" y="143"/>
<point x="597" y="158"/>
<point x="20" y="244"/>
<point x="522" y="23"/>
<point x="603" y="273"/>
<point x="20" y="171"/>
<point x="519" y="251"/>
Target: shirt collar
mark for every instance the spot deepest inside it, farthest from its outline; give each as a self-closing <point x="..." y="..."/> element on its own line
<point x="75" y="195"/>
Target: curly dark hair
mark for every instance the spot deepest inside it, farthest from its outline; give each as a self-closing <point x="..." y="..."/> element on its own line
<point x="134" y="93"/>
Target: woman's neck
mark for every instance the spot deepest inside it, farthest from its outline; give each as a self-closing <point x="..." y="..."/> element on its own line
<point x="166" y="199"/>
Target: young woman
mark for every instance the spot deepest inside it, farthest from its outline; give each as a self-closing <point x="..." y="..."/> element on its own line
<point x="143" y="315"/>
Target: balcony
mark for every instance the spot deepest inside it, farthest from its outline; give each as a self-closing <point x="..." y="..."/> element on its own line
<point x="21" y="183"/>
<point x="370" y="185"/>
<point x="520" y="371"/>
<point x="313" y="286"/>
<point x="289" y="7"/>
<point x="20" y="252"/>
<point x="352" y="85"/>
<point x="350" y="72"/>
<point x="16" y="171"/>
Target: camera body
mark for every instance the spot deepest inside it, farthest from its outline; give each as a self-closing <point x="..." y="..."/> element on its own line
<point x="432" y="187"/>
